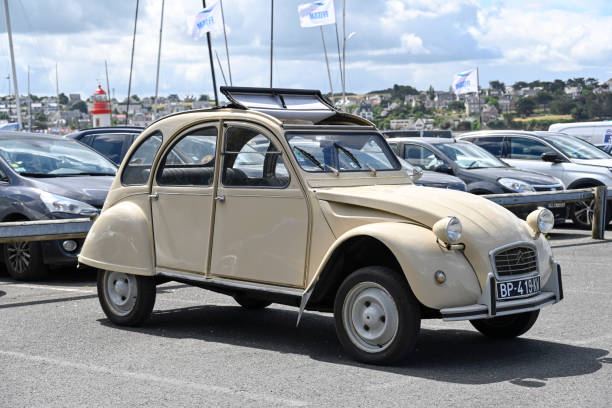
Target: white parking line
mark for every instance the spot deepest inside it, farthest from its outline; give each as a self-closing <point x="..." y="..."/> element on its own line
<point x="44" y="287"/>
<point x="269" y="399"/>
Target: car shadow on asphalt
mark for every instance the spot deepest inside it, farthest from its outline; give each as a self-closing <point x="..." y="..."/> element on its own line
<point x="456" y="356"/>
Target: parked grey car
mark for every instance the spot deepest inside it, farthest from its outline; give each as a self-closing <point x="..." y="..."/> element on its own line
<point x="576" y="162"/>
<point x="47" y="177"/>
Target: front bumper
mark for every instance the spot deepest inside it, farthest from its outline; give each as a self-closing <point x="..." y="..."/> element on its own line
<point x="54" y="254"/>
<point x="488" y="306"/>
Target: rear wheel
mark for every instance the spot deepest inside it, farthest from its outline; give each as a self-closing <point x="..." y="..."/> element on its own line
<point x="126" y="299"/>
<point x="24" y="261"/>
<point x="581" y="213"/>
<point x="377" y="317"/>
<point x="506" y="326"/>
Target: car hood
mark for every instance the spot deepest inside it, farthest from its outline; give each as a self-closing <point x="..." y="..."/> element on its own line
<point x="433" y="179"/>
<point x="596" y="162"/>
<point x="88" y="189"/>
<point x="530" y="177"/>
<point x="486" y="225"/>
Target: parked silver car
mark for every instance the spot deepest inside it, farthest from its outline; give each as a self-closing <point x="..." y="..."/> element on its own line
<point x="576" y="162"/>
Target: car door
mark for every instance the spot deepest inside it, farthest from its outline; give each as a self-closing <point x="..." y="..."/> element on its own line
<point x="111" y="145"/>
<point x="525" y="153"/>
<point x="182" y="201"/>
<point x="261" y="214"/>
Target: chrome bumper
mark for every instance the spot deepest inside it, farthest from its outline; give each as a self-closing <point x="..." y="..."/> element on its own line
<point x="487" y="305"/>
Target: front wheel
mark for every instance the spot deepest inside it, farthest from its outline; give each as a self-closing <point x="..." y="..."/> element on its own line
<point x="24" y="261"/>
<point x="581" y="213"/>
<point x="126" y="299"/>
<point x="505" y="327"/>
<point x="377" y="316"/>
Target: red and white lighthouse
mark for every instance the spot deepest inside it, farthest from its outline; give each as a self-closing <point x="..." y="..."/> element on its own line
<point x="100" y="113"/>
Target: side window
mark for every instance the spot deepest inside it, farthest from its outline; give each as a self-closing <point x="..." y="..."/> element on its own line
<point x="191" y="161"/>
<point x="421" y="156"/>
<point x="527" y="149"/>
<point x="138" y="167"/>
<point x="493" y="145"/>
<point x="251" y="160"/>
<point x="110" y="145"/>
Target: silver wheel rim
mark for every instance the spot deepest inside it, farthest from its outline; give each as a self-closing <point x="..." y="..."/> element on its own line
<point x="120" y="291"/>
<point x="583" y="211"/>
<point x="370" y="317"/>
<point x="19" y="256"/>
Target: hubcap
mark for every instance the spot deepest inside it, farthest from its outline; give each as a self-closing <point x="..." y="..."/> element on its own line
<point x="19" y="256"/>
<point x="370" y="317"/>
<point x="583" y="211"/>
<point x="120" y="291"/>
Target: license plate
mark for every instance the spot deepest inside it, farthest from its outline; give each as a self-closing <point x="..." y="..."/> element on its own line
<point x="518" y="288"/>
<point x="555" y="205"/>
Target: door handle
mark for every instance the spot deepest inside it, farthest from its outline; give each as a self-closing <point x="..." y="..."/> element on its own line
<point x="220" y="198"/>
<point x="154" y="196"/>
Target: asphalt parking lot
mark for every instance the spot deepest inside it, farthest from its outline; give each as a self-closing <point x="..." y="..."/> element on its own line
<point x="57" y="349"/>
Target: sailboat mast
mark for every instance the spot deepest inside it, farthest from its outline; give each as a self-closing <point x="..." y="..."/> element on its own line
<point x="127" y="111"/>
<point x="161" y="27"/>
<point x="10" y="38"/>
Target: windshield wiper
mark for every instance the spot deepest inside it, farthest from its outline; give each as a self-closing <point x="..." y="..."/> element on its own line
<point x="82" y="174"/>
<point x="310" y="157"/>
<point x="348" y="153"/>
<point x="40" y="175"/>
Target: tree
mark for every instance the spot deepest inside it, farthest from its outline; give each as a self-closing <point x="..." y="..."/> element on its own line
<point x="456" y="106"/>
<point x="431" y="92"/>
<point x="491" y="101"/>
<point x="520" y="84"/>
<point x="525" y="106"/>
<point x="80" y="106"/>
<point x="203" y="97"/>
<point x="4" y="116"/>
<point x="63" y="99"/>
<point x="497" y="85"/>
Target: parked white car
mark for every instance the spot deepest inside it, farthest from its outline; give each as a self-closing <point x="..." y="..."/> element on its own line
<point x="598" y="133"/>
<point x="576" y="162"/>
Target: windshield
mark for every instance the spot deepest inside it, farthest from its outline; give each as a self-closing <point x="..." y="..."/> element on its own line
<point x="342" y="151"/>
<point x="469" y="156"/>
<point x="576" y="148"/>
<point x="47" y="157"/>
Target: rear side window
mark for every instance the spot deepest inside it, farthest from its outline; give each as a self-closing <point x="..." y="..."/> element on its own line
<point x="493" y="145"/>
<point x="527" y="149"/>
<point x="138" y="167"/>
<point x="110" y="145"/>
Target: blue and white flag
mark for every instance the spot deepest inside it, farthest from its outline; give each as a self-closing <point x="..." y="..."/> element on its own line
<point x="317" y="13"/>
<point x="209" y="19"/>
<point x="466" y="82"/>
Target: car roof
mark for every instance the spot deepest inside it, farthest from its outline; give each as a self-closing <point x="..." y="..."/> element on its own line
<point x="27" y="135"/>
<point x="108" y="129"/>
<point x="426" y="140"/>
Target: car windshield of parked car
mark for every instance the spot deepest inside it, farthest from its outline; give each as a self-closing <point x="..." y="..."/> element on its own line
<point x="469" y="156"/>
<point x="53" y="158"/>
<point x="342" y="151"/>
<point x="575" y="148"/>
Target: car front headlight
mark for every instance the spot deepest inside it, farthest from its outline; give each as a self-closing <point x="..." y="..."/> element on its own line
<point x="541" y="220"/>
<point x="516" y="185"/>
<point x="60" y="204"/>
<point x="448" y="230"/>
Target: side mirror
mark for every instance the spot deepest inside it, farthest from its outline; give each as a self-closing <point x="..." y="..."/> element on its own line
<point x="416" y="174"/>
<point x="443" y="168"/>
<point x="551" y="157"/>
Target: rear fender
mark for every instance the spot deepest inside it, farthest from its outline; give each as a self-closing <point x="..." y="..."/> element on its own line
<point x="120" y="239"/>
<point x="419" y="256"/>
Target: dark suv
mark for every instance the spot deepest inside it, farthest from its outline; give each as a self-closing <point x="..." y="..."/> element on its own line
<point x="113" y="142"/>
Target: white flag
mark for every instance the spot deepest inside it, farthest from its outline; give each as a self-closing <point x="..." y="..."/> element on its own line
<point x="208" y="19"/>
<point x="317" y="13"/>
<point x="466" y="82"/>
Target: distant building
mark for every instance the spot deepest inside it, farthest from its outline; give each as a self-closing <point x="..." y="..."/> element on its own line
<point x="74" y="97"/>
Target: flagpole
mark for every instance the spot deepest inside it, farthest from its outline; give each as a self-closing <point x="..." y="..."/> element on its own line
<point x="229" y="67"/>
<point x="212" y="64"/>
<point x="220" y="67"/>
<point x="127" y="110"/>
<point x="331" y="88"/>
<point x="271" y="37"/>
<point x="344" y="54"/>
<point x="10" y="38"/>
<point x="479" y="106"/>
<point x="161" y="27"/>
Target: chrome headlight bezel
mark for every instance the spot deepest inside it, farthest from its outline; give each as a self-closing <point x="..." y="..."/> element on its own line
<point x="541" y="220"/>
<point x="63" y="205"/>
<point x="516" y="185"/>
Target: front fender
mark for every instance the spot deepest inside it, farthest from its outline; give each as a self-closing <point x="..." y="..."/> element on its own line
<point x="120" y="240"/>
<point x="419" y="256"/>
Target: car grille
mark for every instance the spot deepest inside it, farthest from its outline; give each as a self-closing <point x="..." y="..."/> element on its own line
<point x="548" y="188"/>
<point x="516" y="261"/>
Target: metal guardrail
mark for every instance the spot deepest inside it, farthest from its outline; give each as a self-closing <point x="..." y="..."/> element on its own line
<point x="598" y="194"/>
<point x="46" y="230"/>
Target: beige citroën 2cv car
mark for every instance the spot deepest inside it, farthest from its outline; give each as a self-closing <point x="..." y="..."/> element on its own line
<point x="278" y="197"/>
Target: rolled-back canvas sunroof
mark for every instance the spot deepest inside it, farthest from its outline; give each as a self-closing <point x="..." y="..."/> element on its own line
<point x="284" y="104"/>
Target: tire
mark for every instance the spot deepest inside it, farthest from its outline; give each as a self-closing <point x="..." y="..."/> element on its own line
<point x="377" y="316"/>
<point x="581" y="214"/>
<point x="250" y="303"/>
<point x="24" y="261"/>
<point x="127" y="300"/>
<point x="506" y="327"/>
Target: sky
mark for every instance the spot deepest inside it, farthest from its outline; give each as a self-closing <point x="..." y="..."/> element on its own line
<point x="408" y="42"/>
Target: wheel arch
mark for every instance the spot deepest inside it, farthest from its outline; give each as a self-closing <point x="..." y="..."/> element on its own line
<point x="585" y="183"/>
